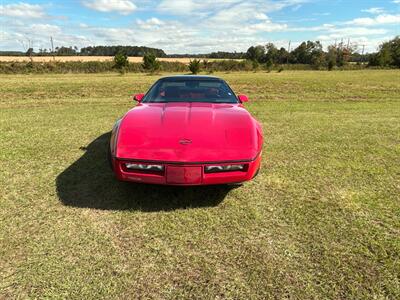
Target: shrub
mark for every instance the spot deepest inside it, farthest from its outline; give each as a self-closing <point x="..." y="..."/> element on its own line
<point x="120" y="61"/>
<point x="165" y="66"/>
<point x="173" y="66"/>
<point x="255" y="64"/>
<point x="206" y="65"/>
<point x="331" y="64"/>
<point x="194" y="66"/>
<point x="269" y="65"/>
<point x="150" y="63"/>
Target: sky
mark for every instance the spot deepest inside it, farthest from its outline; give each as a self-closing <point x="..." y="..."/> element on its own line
<point x="196" y="26"/>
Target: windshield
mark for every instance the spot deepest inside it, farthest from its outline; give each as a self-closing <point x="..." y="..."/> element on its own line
<point x="190" y="90"/>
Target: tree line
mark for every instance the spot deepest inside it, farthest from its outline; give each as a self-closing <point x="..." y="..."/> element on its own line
<point x="307" y="53"/>
<point x="388" y="54"/>
<point x="89" y="51"/>
<point x="218" y="54"/>
<point x="338" y="55"/>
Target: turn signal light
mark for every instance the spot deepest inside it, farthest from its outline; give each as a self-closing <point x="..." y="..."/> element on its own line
<point x="144" y="167"/>
<point x="223" y="168"/>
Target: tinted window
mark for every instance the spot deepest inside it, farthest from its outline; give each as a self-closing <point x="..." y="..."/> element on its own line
<point x="190" y="90"/>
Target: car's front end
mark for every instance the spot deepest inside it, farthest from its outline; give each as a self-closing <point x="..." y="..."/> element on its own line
<point x="187" y="142"/>
<point x="186" y="173"/>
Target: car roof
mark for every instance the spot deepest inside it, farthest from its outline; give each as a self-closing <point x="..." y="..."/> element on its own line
<point x="190" y="77"/>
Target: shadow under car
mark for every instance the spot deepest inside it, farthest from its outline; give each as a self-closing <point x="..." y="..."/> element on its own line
<point x="90" y="183"/>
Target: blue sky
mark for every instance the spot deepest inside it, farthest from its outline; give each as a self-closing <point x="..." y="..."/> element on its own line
<point x="196" y="26"/>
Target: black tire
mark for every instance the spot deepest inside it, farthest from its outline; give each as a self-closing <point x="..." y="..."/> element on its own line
<point x="235" y="184"/>
<point x="256" y="173"/>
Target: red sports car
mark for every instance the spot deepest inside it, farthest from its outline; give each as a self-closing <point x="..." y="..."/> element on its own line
<point x="187" y="130"/>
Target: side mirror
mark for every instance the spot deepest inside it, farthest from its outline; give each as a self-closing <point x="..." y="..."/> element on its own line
<point x="243" y="98"/>
<point x="138" y="97"/>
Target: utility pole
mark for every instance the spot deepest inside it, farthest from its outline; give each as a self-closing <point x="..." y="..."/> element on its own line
<point x="30" y="46"/>
<point x="362" y="55"/>
<point x="287" y="59"/>
<point x="52" y="47"/>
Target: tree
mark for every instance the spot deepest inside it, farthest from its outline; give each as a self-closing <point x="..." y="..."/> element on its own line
<point x="113" y="50"/>
<point x="150" y="63"/>
<point x="310" y="53"/>
<point x="29" y="52"/>
<point x="331" y="64"/>
<point x="282" y="56"/>
<point x="194" y="66"/>
<point x="385" y="56"/>
<point x="300" y="54"/>
<point x="120" y="61"/>
<point x="255" y="65"/>
<point x="255" y="53"/>
<point x="65" y="51"/>
<point x="271" y="54"/>
<point x="269" y="64"/>
<point x="206" y="64"/>
<point x="395" y="51"/>
<point x="318" y="59"/>
<point x="388" y="54"/>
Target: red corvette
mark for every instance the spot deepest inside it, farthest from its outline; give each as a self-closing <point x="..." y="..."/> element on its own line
<point x="187" y="130"/>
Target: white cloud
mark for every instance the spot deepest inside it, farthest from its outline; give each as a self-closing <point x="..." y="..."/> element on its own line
<point x="44" y="29"/>
<point x="123" y="7"/>
<point x="265" y="26"/>
<point x="18" y="35"/>
<point x="202" y="26"/>
<point x="150" y="23"/>
<point x="22" y="10"/>
<point x="378" y="20"/>
<point x="322" y="14"/>
<point x="168" y="35"/>
<point x="248" y="17"/>
<point x="323" y="27"/>
<point x="200" y="7"/>
<point x="374" y="10"/>
<point x="358" y="43"/>
<point x="350" y="32"/>
<point x="260" y="16"/>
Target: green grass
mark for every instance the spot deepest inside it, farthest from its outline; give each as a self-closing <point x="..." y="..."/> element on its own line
<point x="322" y="219"/>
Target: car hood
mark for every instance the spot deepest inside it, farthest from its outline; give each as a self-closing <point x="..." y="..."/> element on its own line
<point x="188" y="132"/>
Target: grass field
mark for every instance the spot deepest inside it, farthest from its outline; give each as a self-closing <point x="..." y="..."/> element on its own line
<point x="321" y="221"/>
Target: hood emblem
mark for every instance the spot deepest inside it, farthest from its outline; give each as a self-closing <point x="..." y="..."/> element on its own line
<point x="185" y="141"/>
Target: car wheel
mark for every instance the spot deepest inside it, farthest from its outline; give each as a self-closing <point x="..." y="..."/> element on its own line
<point x="256" y="173"/>
<point x="235" y="185"/>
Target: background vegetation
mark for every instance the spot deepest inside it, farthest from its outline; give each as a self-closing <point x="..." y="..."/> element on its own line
<point x="310" y="54"/>
<point x="195" y="65"/>
<point x="338" y="55"/>
<point x="150" y="63"/>
<point x="155" y="65"/>
<point x="321" y="221"/>
<point x="92" y="51"/>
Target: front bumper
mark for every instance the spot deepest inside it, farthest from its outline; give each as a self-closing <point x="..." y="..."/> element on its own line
<point x="187" y="173"/>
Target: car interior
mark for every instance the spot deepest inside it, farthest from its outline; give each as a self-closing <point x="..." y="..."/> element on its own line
<point x="176" y="91"/>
